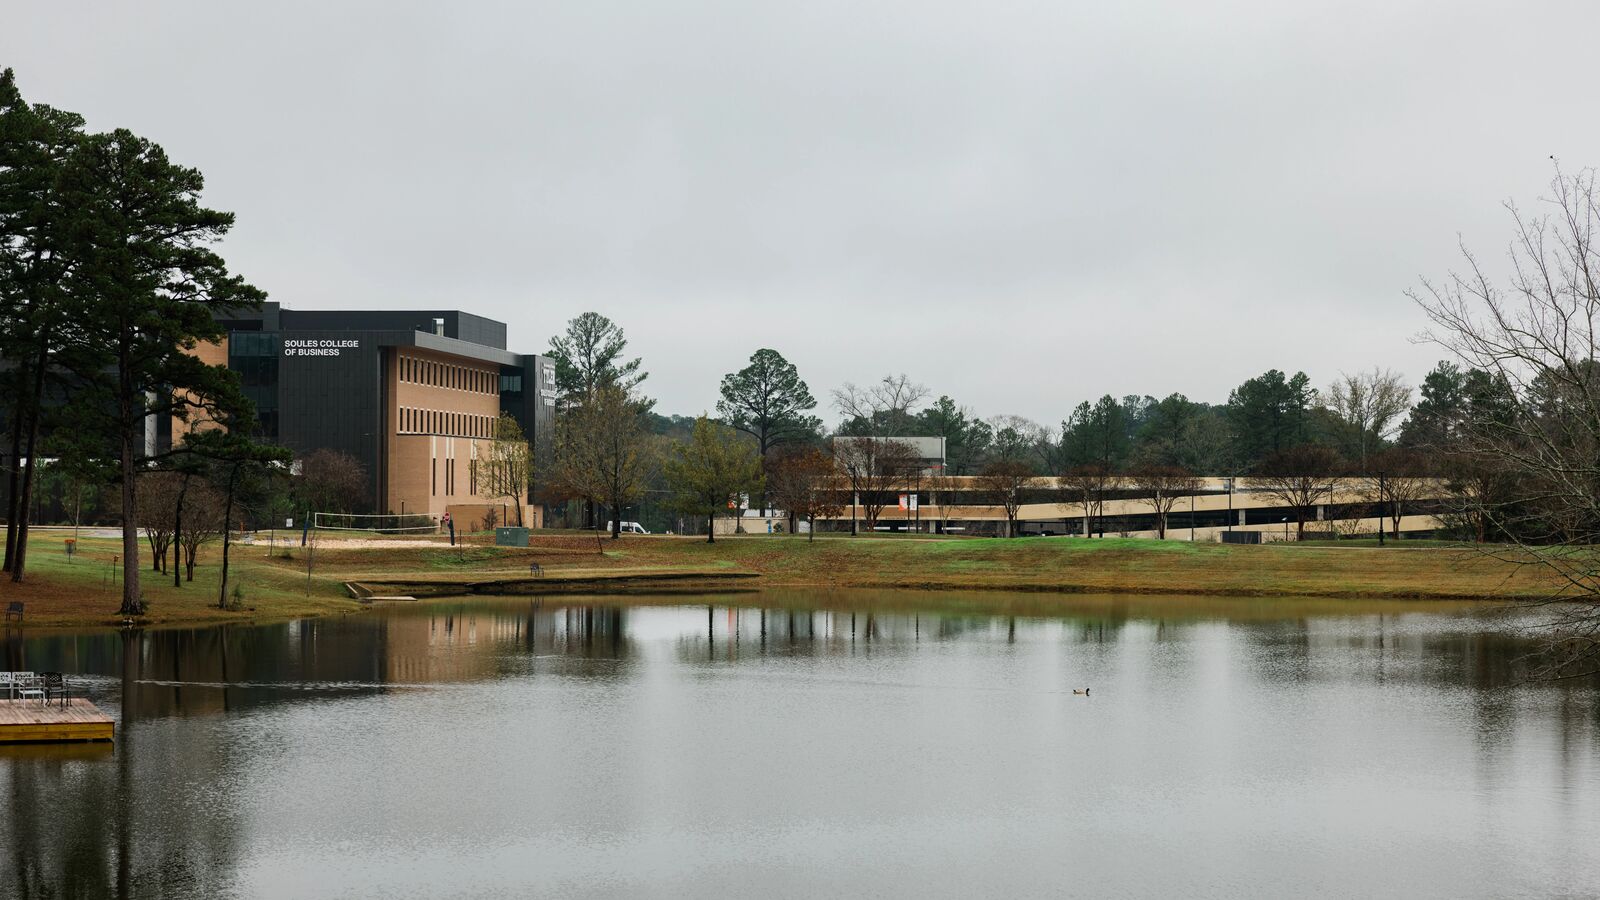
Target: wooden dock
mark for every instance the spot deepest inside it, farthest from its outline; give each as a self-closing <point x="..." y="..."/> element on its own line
<point x="30" y="721"/>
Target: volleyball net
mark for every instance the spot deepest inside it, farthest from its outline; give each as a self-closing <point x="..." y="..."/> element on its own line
<point x="375" y="523"/>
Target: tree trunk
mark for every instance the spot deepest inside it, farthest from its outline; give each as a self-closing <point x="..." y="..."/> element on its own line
<point x="15" y="475"/>
<point x="711" y="528"/>
<point x="177" y="533"/>
<point x="19" y="562"/>
<point x="227" y="531"/>
<point x="132" y="602"/>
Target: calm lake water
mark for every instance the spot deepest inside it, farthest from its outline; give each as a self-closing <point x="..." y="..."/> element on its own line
<point x="507" y="748"/>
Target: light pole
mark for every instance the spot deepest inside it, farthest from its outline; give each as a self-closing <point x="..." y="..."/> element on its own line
<point x="1227" y="484"/>
<point x="1381" y="496"/>
<point x="1286" y="529"/>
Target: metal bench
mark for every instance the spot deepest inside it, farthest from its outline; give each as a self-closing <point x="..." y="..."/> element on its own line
<point x="535" y="569"/>
<point x="14" y="608"/>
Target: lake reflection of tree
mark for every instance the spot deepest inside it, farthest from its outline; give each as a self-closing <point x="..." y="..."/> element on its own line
<point x="103" y="821"/>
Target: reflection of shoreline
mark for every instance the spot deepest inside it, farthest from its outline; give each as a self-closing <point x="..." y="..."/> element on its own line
<point x="1170" y="607"/>
<point x="212" y="671"/>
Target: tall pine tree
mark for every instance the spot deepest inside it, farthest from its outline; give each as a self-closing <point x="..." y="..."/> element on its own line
<point x="146" y="287"/>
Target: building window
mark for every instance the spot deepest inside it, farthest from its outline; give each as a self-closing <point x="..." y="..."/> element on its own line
<point x="433" y="477"/>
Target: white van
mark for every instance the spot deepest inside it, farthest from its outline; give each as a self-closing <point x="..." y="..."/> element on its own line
<point x="629" y="528"/>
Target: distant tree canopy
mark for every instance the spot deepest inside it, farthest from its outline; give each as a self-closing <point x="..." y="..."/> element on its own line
<point x="1096" y="434"/>
<point x="768" y="400"/>
<point x="1269" y="414"/>
<point x="967" y="438"/>
<point x="589" y="355"/>
<point x="711" y="472"/>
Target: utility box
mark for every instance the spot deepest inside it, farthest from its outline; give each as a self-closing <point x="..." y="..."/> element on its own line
<point x="1241" y="537"/>
<point x="511" y="537"/>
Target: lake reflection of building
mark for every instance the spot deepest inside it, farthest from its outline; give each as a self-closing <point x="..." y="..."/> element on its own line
<point x="471" y="642"/>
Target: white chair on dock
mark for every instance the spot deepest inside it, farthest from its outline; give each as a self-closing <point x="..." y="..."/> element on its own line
<point x="26" y="686"/>
<point x="11" y="682"/>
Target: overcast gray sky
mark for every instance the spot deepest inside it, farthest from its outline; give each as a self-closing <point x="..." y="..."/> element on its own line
<point x="1021" y="204"/>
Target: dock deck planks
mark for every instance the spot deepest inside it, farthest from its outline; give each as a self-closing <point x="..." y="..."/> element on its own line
<point x="29" y="720"/>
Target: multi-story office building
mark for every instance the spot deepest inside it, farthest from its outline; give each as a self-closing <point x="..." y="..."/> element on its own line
<point x="412" y="394"/>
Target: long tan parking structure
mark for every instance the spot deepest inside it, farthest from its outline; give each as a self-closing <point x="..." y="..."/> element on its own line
<point x="958" y="504"/>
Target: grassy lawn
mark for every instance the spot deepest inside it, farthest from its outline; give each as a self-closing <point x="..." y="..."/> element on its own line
<point x="83" y="590"/>
<point x="86" y="589"/>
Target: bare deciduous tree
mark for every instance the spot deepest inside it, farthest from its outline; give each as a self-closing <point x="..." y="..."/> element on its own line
<point x="601" y="451"/>
<point x="1400" y="478"/>
<point x="1005" y="481"/>
<point x="1298" y="478"/>
<point x="879" y="410"/>
<point x="873" y="469"/>
<point x="330" y="481"/>
<point x="1090" y="484"/>
<point x="1538" y="335"/>
<point x="805" y="483"/>
<point x="941" y="487"/>
<point x="1161" y="487"/>
<point x="1370" y="405"/>
<point x="203" y="512"/>
<point x="157" y="504"/>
